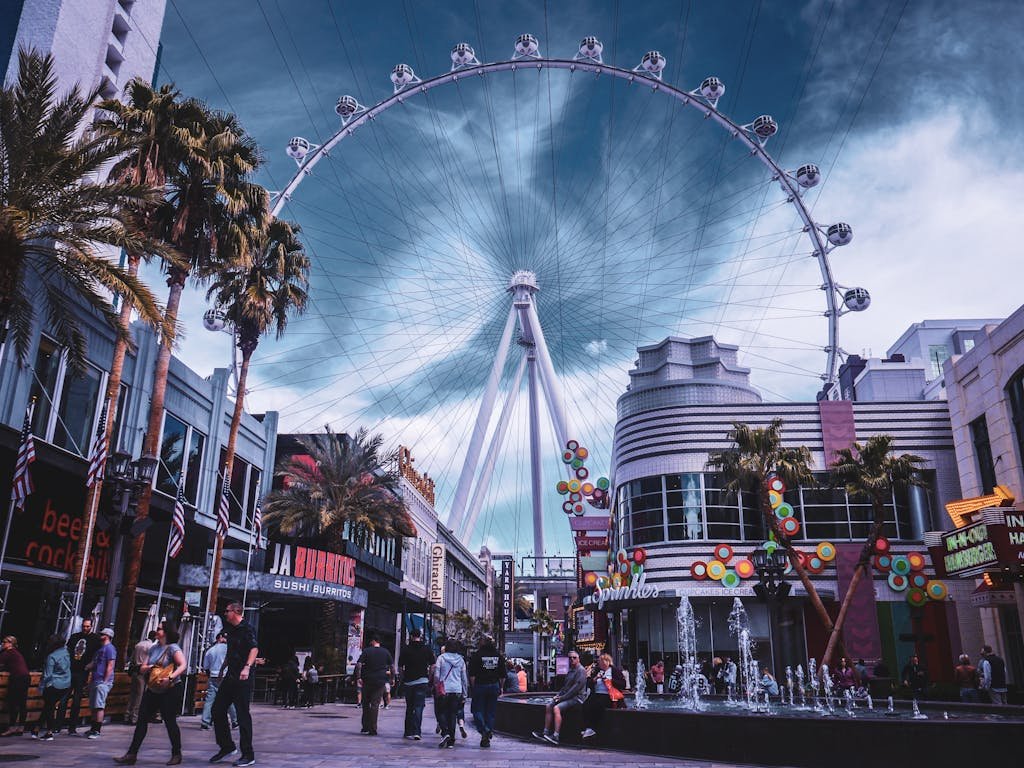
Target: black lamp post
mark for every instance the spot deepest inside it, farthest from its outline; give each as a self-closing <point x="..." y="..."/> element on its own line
<point x="772" y="588"/>
<point x="128" y="478"/>
<point x="566" y="605"/>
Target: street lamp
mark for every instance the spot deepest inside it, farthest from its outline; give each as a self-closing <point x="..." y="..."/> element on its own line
<point x="128" y="478"/>
<point x="772" y="588"/>
<point x="566" y="605"/>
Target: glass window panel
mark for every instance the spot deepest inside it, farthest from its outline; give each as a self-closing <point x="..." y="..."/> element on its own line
<point x="254" y="489"/>
<point x="116" y="437"/>
<point x="78" y="398"/>
<point x="172" y="455"/>
<point x="239" y="471"/>
<point x="197" y="442"/>
<point x="44" y="385"/>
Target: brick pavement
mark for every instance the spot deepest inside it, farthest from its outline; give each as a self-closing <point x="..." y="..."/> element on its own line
<point x="325" y="737"/>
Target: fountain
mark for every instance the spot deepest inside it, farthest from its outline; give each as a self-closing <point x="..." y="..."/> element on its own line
<point x="789" y="683"/>
<point x="890" y="710"/>
<point x="918" y="714"/>
<point x="826" y="688"/>
<point x="689" y="693"/>
<point x="871" y="704"/>
<point x="640" y="700"/>
<point x="800" y="684"/>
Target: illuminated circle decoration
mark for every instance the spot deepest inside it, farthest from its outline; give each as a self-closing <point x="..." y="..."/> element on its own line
<point x="574" y="485"/>
<point x="883" y="563"/>
<point x="730" y="579"/>
<point x="640" y="555"/>
<point x="816" y="564"/>
<point x="723" y="552"/>
<point x="590" y="579"/>
<point x="802" y="558"/>
<point x="616" y="580"/>
<point x="567" y="507"/>
<point x="587" y="489"/>
<point x="582" y="473"/>
<point x="636" y="570"/>
<point x="770" y="546"/>
<point x="916" y="560"/>
<point x="576" y="463"/>
<point x="603" y="582"/>
<point x="744" y="568"/>
<point x="789" y="567"/>
<point x="575" y="497"/>
<point x="603" y="483"/>
<point x="716" y="569"/>
<point x="699" y="570"/>
<point x="790" y="526"/>
<point x="918" y="580"/>
<point x="582" y="453"/>
<point x="784" y="510"/>
<point x="621" y="556"/>
<point x="900" y="565"/>
<point x="774" y="498"/>
<point x="898" y="582"/>
<point x="775" y="484"/>
<point x="572" y="445"/>
<point x="826" y="551"/>
<point x="916" y="597"/>
<point x="578" y="510"/>
<point x="563" y="487"/>
<point x="882" y="546"/>
<point x="936" y="590"/>
<point x="598" y="494"/>
<point x="568" y="456"/>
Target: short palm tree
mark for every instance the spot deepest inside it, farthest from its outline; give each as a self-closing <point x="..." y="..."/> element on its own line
<point x="257" y="292"/>
<point x="756" y="454"/>
<point x="869" y="470"/>
<point x="55" y="214"/>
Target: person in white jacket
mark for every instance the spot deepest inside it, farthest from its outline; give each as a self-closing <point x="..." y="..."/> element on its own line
<point x="452" y="678"/>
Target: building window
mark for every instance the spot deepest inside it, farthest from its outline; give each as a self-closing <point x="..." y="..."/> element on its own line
<point x="1015" y="394"/>
<point x="937" y="355"/>
<point x="245" y="487"/>
<point x="71" y="424"/>
<point x="983" y="453"/>
<point x="181" y="456"/>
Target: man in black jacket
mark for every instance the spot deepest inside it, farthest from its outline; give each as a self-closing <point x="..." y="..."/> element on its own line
<point x="236" y="688"/>
<point x="415" y="662"/>
<point x="486" y="669"/>
<point x="375" y="668"/>
<point x="82" y="646"/>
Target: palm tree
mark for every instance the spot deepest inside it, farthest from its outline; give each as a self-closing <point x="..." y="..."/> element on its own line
<point x="869" y="470"/>
<point x="257" y="293"/>
<point x="210" y="186"/>
<point x="55" y="213"/>
<point x="343" y="487"/>
<point x="756" y="454"/>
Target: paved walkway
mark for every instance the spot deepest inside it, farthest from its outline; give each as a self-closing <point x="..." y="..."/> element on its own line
<point x="324" y="737"/>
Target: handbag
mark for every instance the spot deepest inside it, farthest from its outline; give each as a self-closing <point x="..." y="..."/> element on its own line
<point x="159" y="680"/>
<point x="439" y="684"/>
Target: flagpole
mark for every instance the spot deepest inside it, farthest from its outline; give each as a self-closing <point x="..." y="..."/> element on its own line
<point x="7" y="533"/>
<point x="163" y="574"/>
<point x="86" y="551"/>
<point x="248" y="565"/>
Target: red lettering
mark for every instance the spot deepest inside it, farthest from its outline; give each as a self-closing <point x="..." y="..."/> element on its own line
<point x="350" y="572"/>
<point x="321" y="559"/>
<point x="76" y="529"/>
<point x="300" y="562"/>
<point x="29" y="549"/>
<point x="63" y="526"/>
<point x="329" y="569"/>
<point x="102" y="539"/>
<point x="49" y="518"/>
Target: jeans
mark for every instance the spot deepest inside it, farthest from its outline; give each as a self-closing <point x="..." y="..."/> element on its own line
<point x="485" y="707"/>
<point x="237" y="692"/>
<point x="17" y="699"/>
<point x="373" y="693"/>
<point x="415" y="701"/>
<point x="593" y="709"/>
<point x="451" y="706"/>
<point x="211" y="696"/>
<point x="55" y="700"/>
<point x="168" y="704"/>
<point x="78" y="690"/>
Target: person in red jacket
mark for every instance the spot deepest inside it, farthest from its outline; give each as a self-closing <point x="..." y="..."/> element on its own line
<point x="12" y="662"/>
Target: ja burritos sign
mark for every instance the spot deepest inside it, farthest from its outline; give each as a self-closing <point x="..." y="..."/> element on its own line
<point x="638" y="590"/>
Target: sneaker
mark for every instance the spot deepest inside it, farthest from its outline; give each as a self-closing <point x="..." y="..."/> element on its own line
<point x="46" y="737"/>
<point x="443" y="744"/>
<point x="416" y="737"/>
<point x="245" y="760"/>
<point x="551" y="738"/>
<point x="462" y="730"/>
<point x="92" y="735"/>
<point x="540" y="735"/>
<point x="204" y="726"/>
<point x="589" y="733"/>
<point x="485" y="741"/>
<point x="222" y="753"/>
<point x="451" y="744"/>
<point x="234" y="725"/>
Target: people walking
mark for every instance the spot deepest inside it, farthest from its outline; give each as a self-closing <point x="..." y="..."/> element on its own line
<point x="571" y="695"/>
<point x="82" y="646"/>
<point x="844" y="678"/>
<point x="289" y="679"/>
<point x="523" y="680"/>
<point x="915" y="677"/>
<point x="966" y="676"/>
<point x="162" y="670"/>
<point x="415" y="663"/>
<point x="236" y="688"/>
<point x="140" y="656"/>
<point x="993" y="675"/>
<point x="55" y="683"/>
<point x="213" y="663"/>
<point x="101" y="680"/>
<point x="486" y="670"/>
<point x="606" y="684"/>
<point x="13" y="663"/>
<point x="375" y="668"/>
<point x="511" y="684"/>
<point x="310" y="682"/>
<point x="657" y="676"/>
<point x="452" y="688"/>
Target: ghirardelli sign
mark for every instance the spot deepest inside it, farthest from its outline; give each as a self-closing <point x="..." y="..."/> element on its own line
<point x="313" y="564"/>
<point x="436" y="591"/>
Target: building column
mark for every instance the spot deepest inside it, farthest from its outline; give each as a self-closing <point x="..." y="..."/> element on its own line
<point x="917" y="498"/>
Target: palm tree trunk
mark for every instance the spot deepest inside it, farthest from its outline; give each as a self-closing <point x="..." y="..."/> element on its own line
<point x="113" y="390"/>
<point x="862" y="568"/>
<point x="247" y="348"/>
<point x="150" y="446"/>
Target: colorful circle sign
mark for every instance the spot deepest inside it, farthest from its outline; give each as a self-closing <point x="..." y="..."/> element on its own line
<point x="898" y="582"/>
<point x="730" y="580"/>
<point x="744" y="568"/>
<point x="900" y="565"/>
<point x="640" y="555"/>
<point x="790" y="526"/>
<point x="916" y="597"/>
<point x="574" y="485"/>
<point x="572" y="445"/>
<point x="775" y="484"/>
<point x="582" y="473"/>
<point x="882" y="546"/>
<point x="770" y="546"/>
<point x="723" y="552"/>
<point x="916" y="560"/>
<point x="936" y="590"/>
<point x="699" y="570"/>
<point x="578" y="510"/>
<point x="784" y="510"/>
<point x="562" y="487"/>
<point x="774" y="499"/>
<point x="603" y="483"/>
<point x="590" y="579"/>
<point x="716" y="569"/>
<point x="883" y="563"/>
<point x="567" y="507"/>
<point x="827" y="551"/>
<point x="568" y="456"/>
<point x="587" y="489"/>
<point x="815" y="564"/>
<point x="918" y="580"/>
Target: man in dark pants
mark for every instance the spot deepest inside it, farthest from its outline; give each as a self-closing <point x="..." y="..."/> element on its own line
<point x="236" y="688"/>
<point x="82" y="646"/>
<point x="415" y="663"/>
<point x="486" y="669"/>
<point x="375" y="668"/>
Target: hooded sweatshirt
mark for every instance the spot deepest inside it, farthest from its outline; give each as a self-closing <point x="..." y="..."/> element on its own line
<point x="57" y="670"/>
<point x="451" y="672"/>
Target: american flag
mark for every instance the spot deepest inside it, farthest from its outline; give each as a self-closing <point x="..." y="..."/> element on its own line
<point x="21" y="486"/>
<point x="177" y="539"/>
<point x="257" y="523"/>
<point x="98" y="455"/>
<point x="223" y="519"/>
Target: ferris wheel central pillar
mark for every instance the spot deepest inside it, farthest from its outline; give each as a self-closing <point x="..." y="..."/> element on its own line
<point x="536" y="481"/>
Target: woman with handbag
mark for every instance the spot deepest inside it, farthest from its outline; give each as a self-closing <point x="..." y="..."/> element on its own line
<point x="606" y="684"/>
<point x="163" y="674"/>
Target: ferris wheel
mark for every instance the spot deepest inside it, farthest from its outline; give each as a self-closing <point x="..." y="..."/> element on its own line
<point x="625" y="208"/>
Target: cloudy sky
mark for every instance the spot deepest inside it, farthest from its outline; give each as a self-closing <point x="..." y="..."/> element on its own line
<point x="639" y="218"/>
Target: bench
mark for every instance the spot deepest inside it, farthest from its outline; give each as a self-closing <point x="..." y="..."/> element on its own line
<point x="117" y="699"/>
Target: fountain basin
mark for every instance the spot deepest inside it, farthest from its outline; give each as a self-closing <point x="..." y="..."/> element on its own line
<point x="803" y="740"/>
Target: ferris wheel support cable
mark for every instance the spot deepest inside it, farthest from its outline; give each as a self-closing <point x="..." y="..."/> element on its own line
<point x="554" y="391"/>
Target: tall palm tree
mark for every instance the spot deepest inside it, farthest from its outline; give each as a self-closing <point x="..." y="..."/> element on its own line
<point x="55" y="214"/>
<point x="343" y="485"/>
<point x="869" y="470"/>
<point x="257" y="293"/>
<point x="756" y="454"/>
<point x="210" y="186"/>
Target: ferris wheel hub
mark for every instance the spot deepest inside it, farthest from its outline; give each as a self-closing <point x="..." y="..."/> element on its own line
<point x="523" y="279"/>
